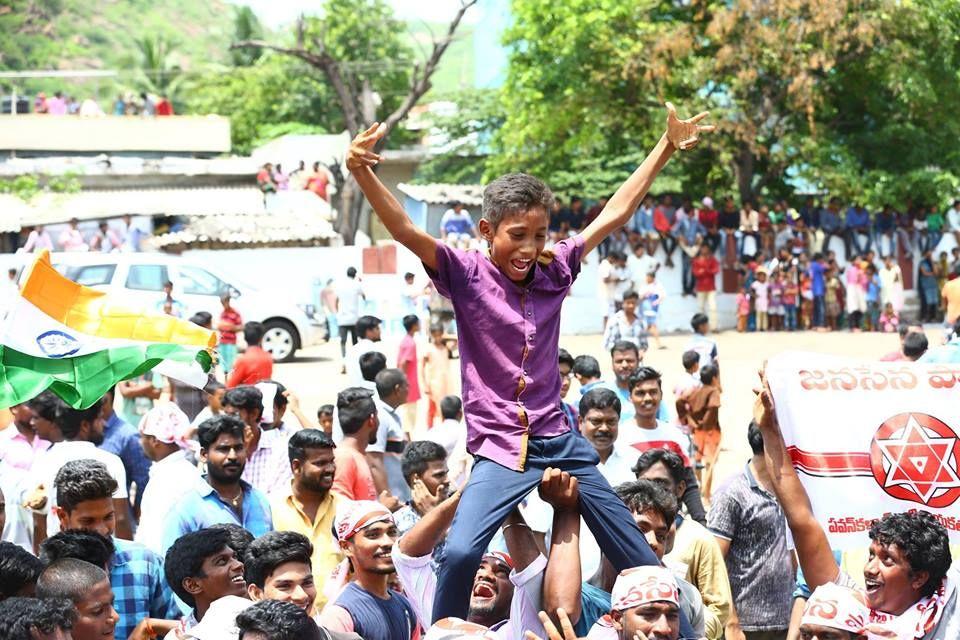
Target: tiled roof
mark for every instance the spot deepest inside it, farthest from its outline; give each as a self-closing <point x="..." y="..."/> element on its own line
<point x="246" y="231"/>
<point x="468" y="194"/>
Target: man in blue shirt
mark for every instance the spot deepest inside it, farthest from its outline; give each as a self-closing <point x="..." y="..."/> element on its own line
<point x="123" y="440"/>
<point x="858" y="226"/>
<point x="224" y="497"/>
<point x="831" y="225"/>
<point x="818" y="287"/>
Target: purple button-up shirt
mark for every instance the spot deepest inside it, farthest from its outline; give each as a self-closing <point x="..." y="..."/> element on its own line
<point x="509" y="344"/>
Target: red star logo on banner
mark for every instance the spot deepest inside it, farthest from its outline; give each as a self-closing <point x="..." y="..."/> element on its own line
<point x="919" y="462"/>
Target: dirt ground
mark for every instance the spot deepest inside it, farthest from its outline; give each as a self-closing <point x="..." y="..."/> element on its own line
<point x="315" y="375"/>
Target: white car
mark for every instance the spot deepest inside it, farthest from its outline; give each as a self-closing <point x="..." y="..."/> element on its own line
<point x="139" y="278"/>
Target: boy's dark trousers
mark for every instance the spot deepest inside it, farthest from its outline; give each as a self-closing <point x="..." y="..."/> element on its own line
<point x="492" y="493"/>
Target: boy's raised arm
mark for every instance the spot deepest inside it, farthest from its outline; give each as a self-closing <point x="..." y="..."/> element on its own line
<point x="360" y="162"/>
<point x="680" y="134"/>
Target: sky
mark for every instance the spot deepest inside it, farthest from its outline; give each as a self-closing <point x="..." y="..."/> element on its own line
<point x="278" y="12"/>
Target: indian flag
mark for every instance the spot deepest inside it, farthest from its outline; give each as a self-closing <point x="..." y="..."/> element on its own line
<point x="78" y="342"/>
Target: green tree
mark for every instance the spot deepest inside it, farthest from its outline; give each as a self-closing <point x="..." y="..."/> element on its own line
<point x="246" y="26"/>
<point x="159" y="73"/>
<point x="371" y="71"/>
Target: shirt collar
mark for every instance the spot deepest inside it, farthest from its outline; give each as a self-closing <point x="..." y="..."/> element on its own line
<point x="752" y="480"/>
<point x="205" y="489"/>
<point x="328" y="503"/>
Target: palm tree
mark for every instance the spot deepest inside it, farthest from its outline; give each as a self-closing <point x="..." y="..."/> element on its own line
<point x="158" y="73"/>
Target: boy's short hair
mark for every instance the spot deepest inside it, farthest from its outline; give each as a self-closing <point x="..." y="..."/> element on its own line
<point x="24" y="618"/>
<point x="245" y="396"/>
<point x="82" y="480"/>
<point x="325" y="410"/>
<point x="212" y="428"/>
<point x="276" y="620"/>
<point x="372" y="363"/>
<point x="18" y="569"/>
<point x="451" y="407"/>
<point x="698" y="320"/>
<point x="305" y="439"/>
<point x="599" y="398"/>
<point x="514" y="193"/>
<point x="586" y="366"/>
<point x="418" y="455"/>
<point x="915" y="344"/>
<point x="70" y="420"/>
<point x="83" y="545"/>
<point x="366" y="323"/>
<point x="69" y="578"/>
<point x="644" y="495"/>
<point x="238" y="538"/>
<point x="689" y="359"/>
<point x="643" y="374"/>
<point x="632" y="295"/>
<point x="253" y="333"/>
<point x="354" y="406"/>
<point x="708" y="372"/>
<point x="565" y="358"/>
<point x="388" y="380"/>
<point x="273" y="549"/>
<point x="351" y="272"/>
<point x="623" y="346"/>
<point x="410" y="321"/>
<point x="184" y="558"/>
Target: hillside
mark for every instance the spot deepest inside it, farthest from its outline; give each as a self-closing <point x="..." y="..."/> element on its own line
<point x="77" y="34"/>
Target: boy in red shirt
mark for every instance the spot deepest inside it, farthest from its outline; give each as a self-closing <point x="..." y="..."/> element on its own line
<point x="255" y="364"/>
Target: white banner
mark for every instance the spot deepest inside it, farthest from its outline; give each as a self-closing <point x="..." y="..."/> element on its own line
<point x="870" y="438"/>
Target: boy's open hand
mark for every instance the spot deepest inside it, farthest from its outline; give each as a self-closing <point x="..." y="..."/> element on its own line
<point x="361" y="152"/>
<point x="685" y="134"/>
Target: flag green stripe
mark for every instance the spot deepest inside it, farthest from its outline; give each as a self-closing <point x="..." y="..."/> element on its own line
<point x="83" y="380"/>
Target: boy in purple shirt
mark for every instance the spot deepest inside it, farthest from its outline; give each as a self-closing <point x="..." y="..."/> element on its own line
<point x="508" y="301"/>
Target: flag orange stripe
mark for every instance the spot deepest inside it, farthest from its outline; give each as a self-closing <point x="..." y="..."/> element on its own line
<point x="92" y="312"/>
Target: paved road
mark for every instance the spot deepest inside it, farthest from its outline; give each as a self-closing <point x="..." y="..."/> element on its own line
<point x="315" y="375"/>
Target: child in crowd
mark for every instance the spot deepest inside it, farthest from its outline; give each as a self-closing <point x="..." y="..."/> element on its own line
<point x="806" y="301"/>
<point x="651" y="297"/>
<point x="325" y="418"/>
<point x="743" y="310"/>
<point x="776" y="311"/>
<point x="791" y="291"/>
<point x="761" y="298"/>
<point x="506" y="297"/>
<point x="873" y="298"/>
<point x="688" y="383"/>
<point x="832" y="298"/>
<point x="436" y="372"/>
<point x="889" y="319"/>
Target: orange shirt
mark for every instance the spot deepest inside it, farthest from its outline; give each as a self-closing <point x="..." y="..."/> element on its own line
<point x="353" y="478"/>
<point x="255" y="365"/>
<point x="951" y="294"/>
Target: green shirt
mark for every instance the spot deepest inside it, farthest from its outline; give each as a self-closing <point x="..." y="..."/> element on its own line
<point x="935" y="221"/>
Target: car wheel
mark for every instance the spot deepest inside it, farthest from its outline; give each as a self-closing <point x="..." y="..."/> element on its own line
<point x="280" y="340"/>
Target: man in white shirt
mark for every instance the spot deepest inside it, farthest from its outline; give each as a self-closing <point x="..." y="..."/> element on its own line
<point x="639" y="264"/>
<point x="392" y="391"/>
<point x="953" y="220"/>
<point x="349" y="296"/>
<point x="368" y="330"/>
<point x="164" y="437"/>
<point x="615" y="280"/>
<point x="82" y="431"/>
<point x="452" y="432"/>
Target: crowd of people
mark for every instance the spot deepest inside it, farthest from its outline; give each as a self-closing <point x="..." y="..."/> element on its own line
<point x="125" y="104"/>
<point x="273" y="178"/>
<point x="254" y="520"/>
<point x="106" y="239"/>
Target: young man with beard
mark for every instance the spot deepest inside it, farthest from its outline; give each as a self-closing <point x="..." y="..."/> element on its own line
<point x="88" y="588"/>
<point x="309" y="506"/>
<point x="142" y="597"/>
<point x="201" y="568"/>
<point x="507" y="588"/>
<point x="367" y="606"/>
<point x="223" y="497"/>
<point x="267" y="467"/>
<point x="647" y="432"/>
<point x="694" y="547"/>
<point x="911" y="585"/>
<point x="82" y="431"/>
